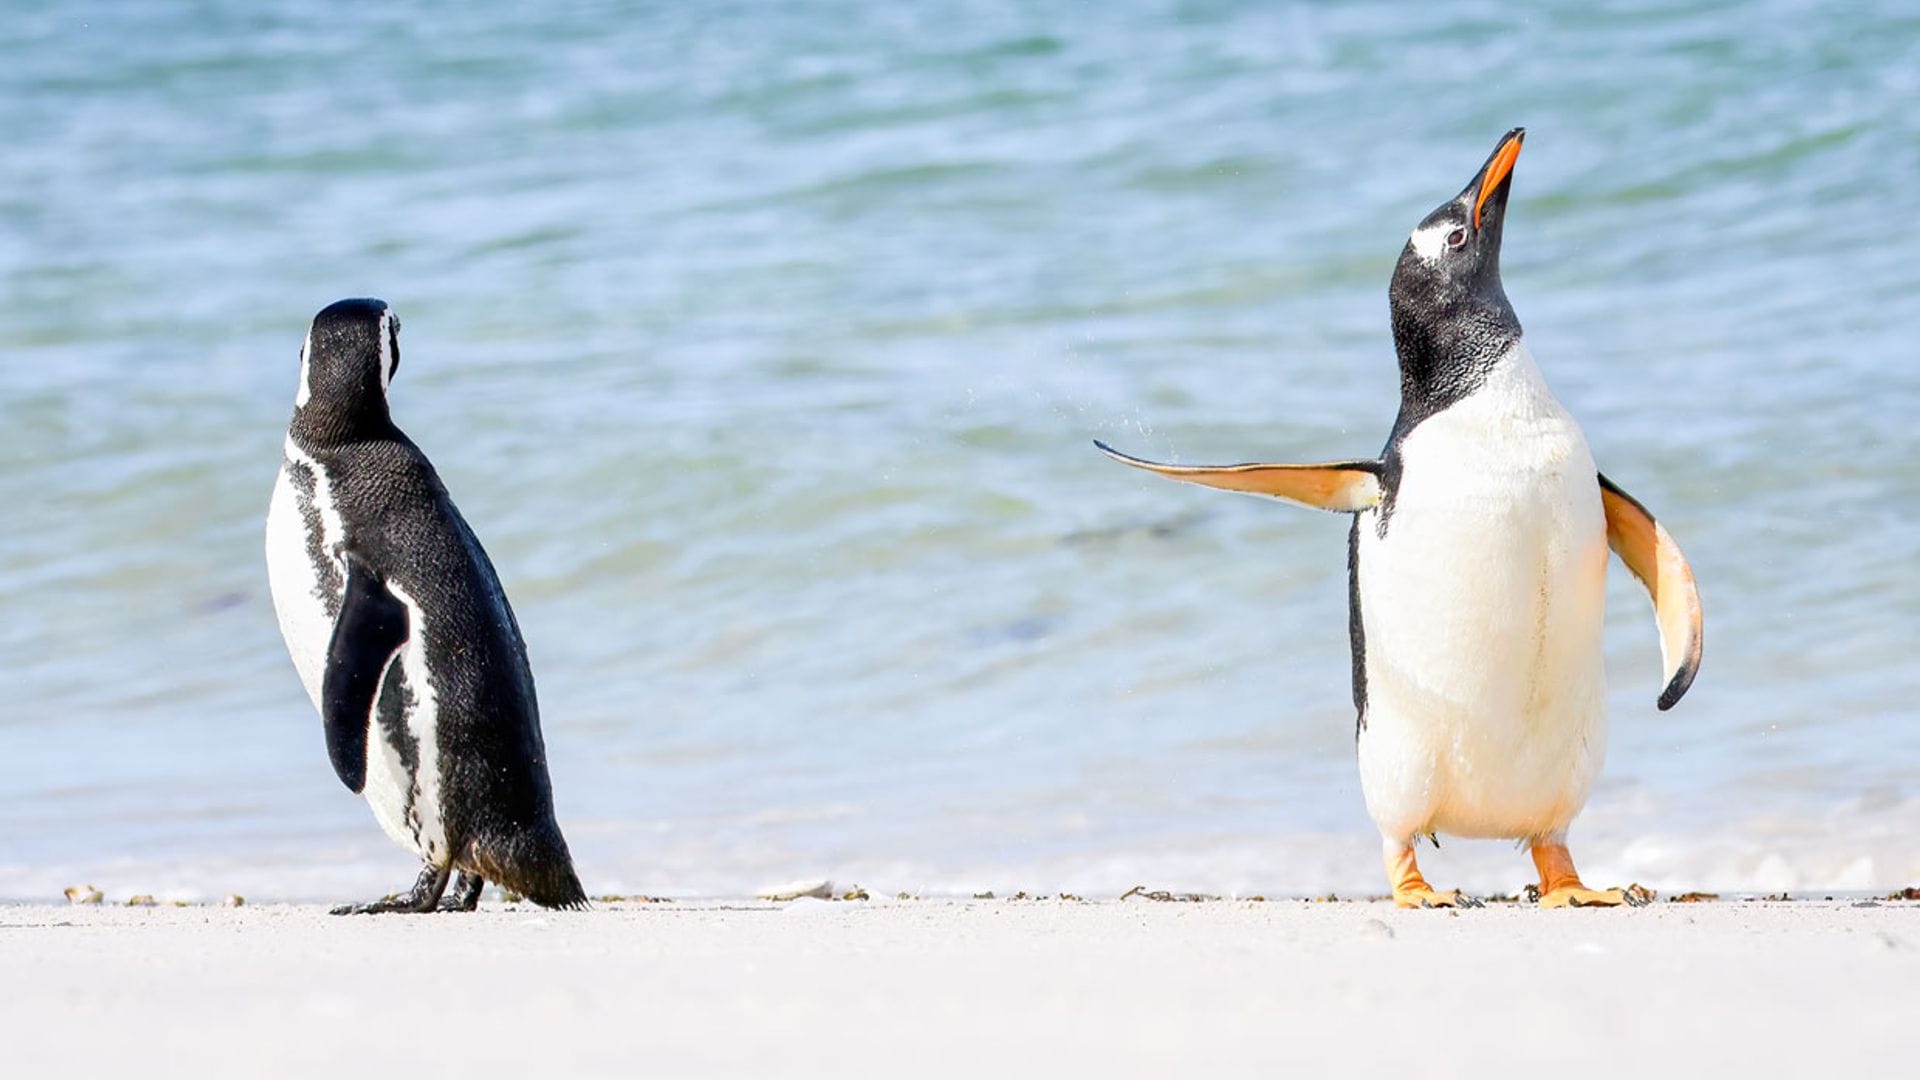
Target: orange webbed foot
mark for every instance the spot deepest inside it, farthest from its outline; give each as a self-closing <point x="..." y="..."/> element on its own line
<point x="1577" y="895"/>
<point x="1410" y="890"/>
<point x="1425" y="897"/>
<point x="1560" y="885"/>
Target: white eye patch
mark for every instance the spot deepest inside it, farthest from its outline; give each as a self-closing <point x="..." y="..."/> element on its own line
<point x="1430" y="240"/>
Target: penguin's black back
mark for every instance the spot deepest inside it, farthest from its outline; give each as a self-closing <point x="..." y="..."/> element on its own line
<point x="496" y="797"/>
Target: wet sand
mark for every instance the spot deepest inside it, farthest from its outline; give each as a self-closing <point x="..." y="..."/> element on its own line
<point x="950" y="988"/>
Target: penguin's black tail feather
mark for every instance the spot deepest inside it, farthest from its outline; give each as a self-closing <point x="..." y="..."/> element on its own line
<point x="561" y="891"/>
<point x="535" y="864"/>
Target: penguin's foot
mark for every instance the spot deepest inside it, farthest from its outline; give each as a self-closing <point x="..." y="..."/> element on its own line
<point x="424" y="897"/>
<point x="1580" y="896"/>
<point x="1560" y="884"/>
<point x="1410" y="890"/>
<point x="466" y="893"/>
<point x="382" y="906"/>
<point x="1424" y="897"/>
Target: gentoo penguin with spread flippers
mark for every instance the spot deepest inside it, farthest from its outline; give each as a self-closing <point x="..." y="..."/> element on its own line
<point x="403" y="636"/>
<point x="1477" y="567"/>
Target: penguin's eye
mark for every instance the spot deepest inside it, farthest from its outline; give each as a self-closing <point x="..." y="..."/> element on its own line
<point x="1456" y="238"/>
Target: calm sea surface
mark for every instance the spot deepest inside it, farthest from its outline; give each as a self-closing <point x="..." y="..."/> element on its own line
<point x="763" y="344"/>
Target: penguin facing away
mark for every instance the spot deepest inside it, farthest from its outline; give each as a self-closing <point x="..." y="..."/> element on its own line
<point x="403" y="636"/>
<point x="1477" y="570"/>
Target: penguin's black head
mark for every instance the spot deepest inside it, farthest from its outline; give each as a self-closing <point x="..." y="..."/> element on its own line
<point x="351" y="355"/>
<point x="1448" y="303"/>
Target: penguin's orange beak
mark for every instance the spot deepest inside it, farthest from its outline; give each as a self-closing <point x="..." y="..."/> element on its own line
<point x="1498" y="168"/>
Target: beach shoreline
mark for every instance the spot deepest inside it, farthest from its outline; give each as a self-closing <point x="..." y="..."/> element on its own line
<point x="951" y="987"/>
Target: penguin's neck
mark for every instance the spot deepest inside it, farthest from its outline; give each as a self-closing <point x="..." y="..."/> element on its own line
<point x="1448" y="355"/>
<point x="322" y="425"/>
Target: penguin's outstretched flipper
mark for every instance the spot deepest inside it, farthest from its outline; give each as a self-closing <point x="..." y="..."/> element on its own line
<point x="1644" y="545"/>
<point x="370" y="630"/>
<point x="1344" y="487"/>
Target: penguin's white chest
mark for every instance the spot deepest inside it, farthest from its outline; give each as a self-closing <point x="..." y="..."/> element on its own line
<point x="1482" y="606"/>
<point x="303" y="529"/>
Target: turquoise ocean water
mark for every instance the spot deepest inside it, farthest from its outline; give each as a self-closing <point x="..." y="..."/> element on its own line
<point x="763" y="344"/>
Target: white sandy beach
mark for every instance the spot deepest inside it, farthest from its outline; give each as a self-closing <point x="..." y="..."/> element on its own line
<point x="950" y="988"/>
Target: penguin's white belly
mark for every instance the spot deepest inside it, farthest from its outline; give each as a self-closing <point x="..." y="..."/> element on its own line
<point x="306" y="598"/>
<point x="1483" y="607"/>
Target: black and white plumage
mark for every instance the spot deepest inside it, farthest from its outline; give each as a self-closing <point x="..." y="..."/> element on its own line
<point x="1477" y="568"/>
<point x="403" y="636"/>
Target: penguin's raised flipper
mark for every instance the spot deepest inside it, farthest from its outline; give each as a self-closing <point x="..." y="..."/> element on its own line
<point x="1340" y="486"/>
<point x="1643" y="544"/>
<point x="371" y="628"/>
